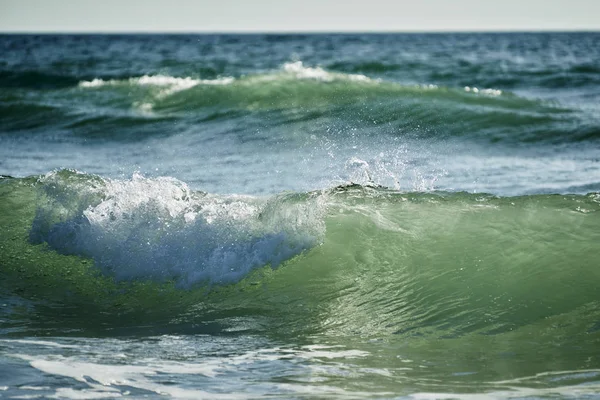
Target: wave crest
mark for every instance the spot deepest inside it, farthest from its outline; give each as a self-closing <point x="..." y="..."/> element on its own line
<point x="159" y="229"/>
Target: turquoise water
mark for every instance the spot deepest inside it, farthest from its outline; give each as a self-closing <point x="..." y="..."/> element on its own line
<point x="300" y="216"/>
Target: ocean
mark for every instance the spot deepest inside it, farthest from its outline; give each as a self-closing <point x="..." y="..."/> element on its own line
<point x="319" y="216"/>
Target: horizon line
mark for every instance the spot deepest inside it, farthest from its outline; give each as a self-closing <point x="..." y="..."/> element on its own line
<point x="289" y="32"/>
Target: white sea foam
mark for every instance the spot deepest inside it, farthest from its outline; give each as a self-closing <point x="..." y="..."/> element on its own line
<point x="167" y="84"/>
<point x="107" y="376"/>
<point x="488" y="92"/>
<point x="159" y="229"/>
<point x="104" y="376"/>
<point x="299" y="71"/>
<point x="96" y="82"/>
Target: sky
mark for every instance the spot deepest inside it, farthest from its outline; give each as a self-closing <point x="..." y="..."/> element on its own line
<point x="296" y="15"/>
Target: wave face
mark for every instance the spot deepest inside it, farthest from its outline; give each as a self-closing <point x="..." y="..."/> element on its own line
<point x="380" y="261"/>
<point x="353" y="278"/>
<point x="368" y="277"/>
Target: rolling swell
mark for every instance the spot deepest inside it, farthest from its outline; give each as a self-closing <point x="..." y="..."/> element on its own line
<point x="316" y="96"/>
<point x="352" y="260"/>
<point x="294" y="85"/>
<point x="139" y="107"/>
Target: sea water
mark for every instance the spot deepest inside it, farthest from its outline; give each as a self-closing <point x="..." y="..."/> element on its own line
<point x="300" y="216"/>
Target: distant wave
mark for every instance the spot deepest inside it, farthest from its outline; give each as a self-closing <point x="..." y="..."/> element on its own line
<point x="294" y="85"/>
<point x="299" y="92"/>
<point x="488" y="113"/>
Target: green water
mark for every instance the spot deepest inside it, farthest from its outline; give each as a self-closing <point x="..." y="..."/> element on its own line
<point x="452" y="292"/>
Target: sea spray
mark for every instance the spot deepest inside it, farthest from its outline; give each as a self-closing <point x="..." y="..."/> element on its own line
<point x="159" y="229"/>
